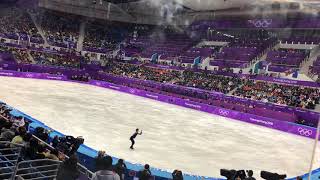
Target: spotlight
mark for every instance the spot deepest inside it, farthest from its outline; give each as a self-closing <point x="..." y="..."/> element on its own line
<point x="272" y="176"/>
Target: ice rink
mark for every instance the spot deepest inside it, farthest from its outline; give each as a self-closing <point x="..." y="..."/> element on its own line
<point x="173" y="137"/>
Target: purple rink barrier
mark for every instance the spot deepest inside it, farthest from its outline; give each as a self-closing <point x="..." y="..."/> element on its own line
<point x="32" y="75"/>
<point x="288" y="127"/>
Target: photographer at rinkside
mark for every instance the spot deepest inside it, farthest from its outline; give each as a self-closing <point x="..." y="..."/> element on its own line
<point x="177" y="175"/>
<point x="145" y="174"/>
<point x="250" y="174"/>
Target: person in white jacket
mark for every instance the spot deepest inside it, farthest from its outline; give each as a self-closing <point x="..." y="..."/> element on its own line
<point x="106" y="173"/>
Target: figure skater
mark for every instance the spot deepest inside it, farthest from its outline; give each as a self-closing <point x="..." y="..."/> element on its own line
<point x="134" y="136"/>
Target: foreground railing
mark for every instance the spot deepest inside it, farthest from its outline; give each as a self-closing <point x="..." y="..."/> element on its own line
<point x="9" y="157"/>
<point x="37" y="169"/>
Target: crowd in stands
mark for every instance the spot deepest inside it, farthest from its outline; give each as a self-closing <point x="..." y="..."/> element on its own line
<point x="208" y="81"/>
<point x="296" y="96"/>
<point x="16" y="23"/>
<point x="102" y="38"/>
<point x="142" y="72"/>
<point x="14" y="130"/>
<point x="68" y="60"/>
<point x="60" y="30"/>
<point x="19" y="54"/>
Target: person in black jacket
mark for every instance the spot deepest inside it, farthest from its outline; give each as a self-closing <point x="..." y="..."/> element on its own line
<point x="145" y="174"/>
<point x="68" y="169"/>
<point x="120" y="168"/>
<point x="177" y="175"/>
<point x="99" y="160"/>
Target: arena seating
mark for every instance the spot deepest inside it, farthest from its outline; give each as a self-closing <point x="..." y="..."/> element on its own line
<point x="167" y="45"/>
<point x="241" y="53"/>
<point x="264" y="99"/>
<point x="16" y="23"/>
<point x="190" y="55"/>
<point x="19" y="54"/>
<point x="103" y="38"/>
<point x="60" y="30"/>
<point x="286" y="59"/>
<point x="315" y="68"/>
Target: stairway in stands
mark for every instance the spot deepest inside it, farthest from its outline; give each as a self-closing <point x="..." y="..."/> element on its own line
<point x="34" y="19"/>
<point x="263" y="57"/>
<point x="305" y="67"/>
<point x="82" y="33"/>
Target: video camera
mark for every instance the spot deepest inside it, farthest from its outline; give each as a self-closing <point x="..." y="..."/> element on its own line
<point x="272" y="176"/>
<point x="69" y="145"/>
<point x="233" y="174"/>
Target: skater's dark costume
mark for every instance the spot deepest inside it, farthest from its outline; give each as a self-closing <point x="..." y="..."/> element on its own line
<point x="133" y="137"/>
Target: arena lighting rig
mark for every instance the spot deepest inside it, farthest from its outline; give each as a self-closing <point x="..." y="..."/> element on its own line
<point x="114" y="1"/>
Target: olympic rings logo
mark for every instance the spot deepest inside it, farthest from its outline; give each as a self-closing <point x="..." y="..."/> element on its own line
<point x="132" y="91"/>
<point x="304" y="132"/>
<point x="223" y="112"/>
<point x="29" y="75"/>
<point x="261" y="23"/>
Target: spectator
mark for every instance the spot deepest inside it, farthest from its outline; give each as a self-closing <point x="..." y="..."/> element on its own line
<point x="145" y="174"/>
<point x="250" y="174"/>
<point x="7" y="132"/>
<point x="19" y="138"/>
<point x="55" y="141"/>
<point x="99" y="159"/>
<point x="120" y="168"/>
<point x="54" y="155"/>
<point x="177" y="175"/>
<point x="68" y="169"/>
<point x="106" y="172"/>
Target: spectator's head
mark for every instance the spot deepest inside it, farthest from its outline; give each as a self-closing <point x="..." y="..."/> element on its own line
<point x="146" y="166"/>
<point x="101" y="154"/>
<point x="120" y="161"/>
<point x="299" y="178"/>
<point x="27" y="137"/>
<point x="250" y="173"/>
<point x="21" y="131"/>
<point x="178" y="174"/>
<point x="106" y="163"/>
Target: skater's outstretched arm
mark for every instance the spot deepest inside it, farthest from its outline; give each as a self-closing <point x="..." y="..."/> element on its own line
<point x="140" y="133"/>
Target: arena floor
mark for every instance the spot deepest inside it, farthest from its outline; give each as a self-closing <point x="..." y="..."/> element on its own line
<point x="173" y="137"/>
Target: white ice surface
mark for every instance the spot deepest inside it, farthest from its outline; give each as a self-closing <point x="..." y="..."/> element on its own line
<point x="173" y="137"/>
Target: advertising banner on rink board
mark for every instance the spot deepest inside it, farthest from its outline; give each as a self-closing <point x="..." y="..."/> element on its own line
<point x="31" y="75"/>
<point x="249" y="118"/>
